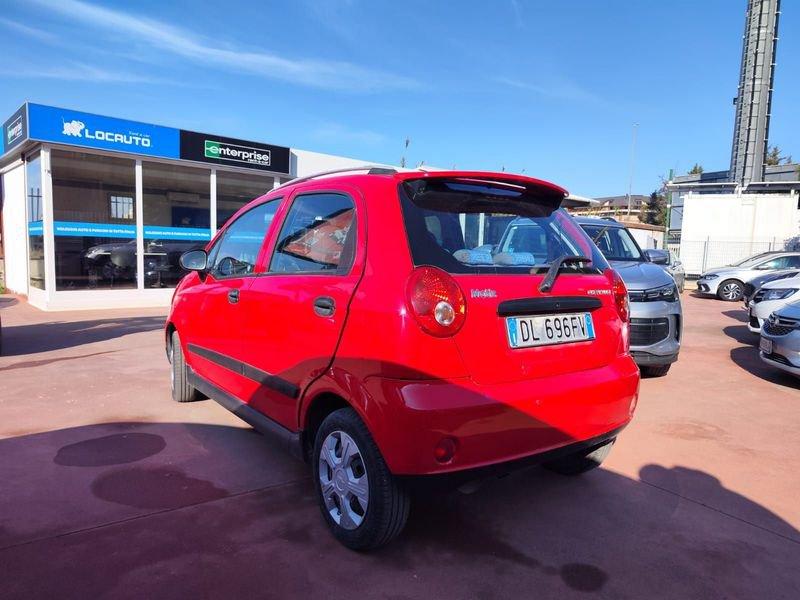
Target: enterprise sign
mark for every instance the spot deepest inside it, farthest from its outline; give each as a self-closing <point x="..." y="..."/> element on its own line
<point x="236" y="153"/>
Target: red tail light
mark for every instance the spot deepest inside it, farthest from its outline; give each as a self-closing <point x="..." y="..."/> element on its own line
<point x="620" y="297"/>
<point x="620" y="293"/>
<point x="436" y="301"/>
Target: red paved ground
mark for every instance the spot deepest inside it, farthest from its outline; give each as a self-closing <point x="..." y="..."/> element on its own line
<point x="109" y="489"/>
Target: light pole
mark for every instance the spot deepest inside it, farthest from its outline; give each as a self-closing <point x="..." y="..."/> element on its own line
<point x="633" y="160"/>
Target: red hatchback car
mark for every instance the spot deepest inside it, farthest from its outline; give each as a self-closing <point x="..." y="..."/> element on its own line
<point x="372" y="321"/>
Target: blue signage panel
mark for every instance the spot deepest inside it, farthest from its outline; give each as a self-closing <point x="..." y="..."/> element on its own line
<point x="120" y="231"/>
<point x="105" y="230"/>
<point x="49" y="124"/>
<point x="15" y="130"/>
<point x="153" y="232"/>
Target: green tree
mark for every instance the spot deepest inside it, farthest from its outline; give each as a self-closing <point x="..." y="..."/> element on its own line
<point x="774" y="158"/>
<point x="655" y="209"/>
<point x="697" y="169"/>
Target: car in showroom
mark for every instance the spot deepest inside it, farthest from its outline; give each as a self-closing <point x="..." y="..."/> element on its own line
<point x="656" y="314"/>
<point x="728" y="283"/>
<point x="779" y="345"/>
<point x="770" y="297"/>
<point x="351" y="315"/>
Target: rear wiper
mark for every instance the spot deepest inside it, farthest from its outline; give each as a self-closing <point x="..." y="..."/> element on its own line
<point x="555" y="266"/>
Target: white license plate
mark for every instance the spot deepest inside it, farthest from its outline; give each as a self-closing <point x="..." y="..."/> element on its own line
<point x="542" y="330"/>
<point x="765" y="345"/>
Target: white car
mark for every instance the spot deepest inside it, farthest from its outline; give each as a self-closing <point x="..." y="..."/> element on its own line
<point x="770" y="297"/>
<point x="727" y="283"/>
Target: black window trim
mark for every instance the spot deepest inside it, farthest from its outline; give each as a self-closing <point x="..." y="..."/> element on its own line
<point x="221" y="236"/>
<point x="339" y="272"/>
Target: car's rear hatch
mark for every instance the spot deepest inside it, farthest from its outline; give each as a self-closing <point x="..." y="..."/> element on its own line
<point x="497" y="237"/>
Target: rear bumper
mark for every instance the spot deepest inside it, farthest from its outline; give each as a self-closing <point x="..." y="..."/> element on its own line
<point x="496" y="424"/>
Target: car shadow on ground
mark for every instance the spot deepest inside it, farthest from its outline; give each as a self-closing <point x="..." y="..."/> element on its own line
<point x="748" y="358"/>
<point x="739" y="315"/>
<point x="741" y="334"/>
<point x="45" y="337"/>
<point x="184" y="509"/>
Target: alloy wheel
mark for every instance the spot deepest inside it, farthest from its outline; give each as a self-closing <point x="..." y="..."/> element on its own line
<point x="731" y="291"/>
<point x="343" y="480"/>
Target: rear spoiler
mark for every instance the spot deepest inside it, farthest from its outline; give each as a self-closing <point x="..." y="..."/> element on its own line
<point x="544" y="194"/>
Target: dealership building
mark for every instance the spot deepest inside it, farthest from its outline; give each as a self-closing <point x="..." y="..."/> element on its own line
<point x="96" y="211"/>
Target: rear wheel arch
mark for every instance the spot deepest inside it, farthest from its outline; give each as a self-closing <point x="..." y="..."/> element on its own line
<point x="325" y="397"/>
<point x="315" y="411"/>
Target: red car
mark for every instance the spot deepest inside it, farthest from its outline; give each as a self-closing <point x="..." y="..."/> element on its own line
<point x="371" y="320"/>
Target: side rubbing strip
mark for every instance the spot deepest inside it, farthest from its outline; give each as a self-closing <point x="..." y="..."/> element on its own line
<point x="274" y="382"/>
<point x="262" y="423"/>
<point x="554" y="304"/>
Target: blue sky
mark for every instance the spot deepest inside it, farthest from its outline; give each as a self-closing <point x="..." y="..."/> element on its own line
<point x="549" y="87"/>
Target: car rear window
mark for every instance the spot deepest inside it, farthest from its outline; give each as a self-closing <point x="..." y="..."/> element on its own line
<point x="467" y="226"/>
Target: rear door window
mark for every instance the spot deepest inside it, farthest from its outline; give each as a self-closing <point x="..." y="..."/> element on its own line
<point x="317" y="236"/>
<point x="467" y="226"/>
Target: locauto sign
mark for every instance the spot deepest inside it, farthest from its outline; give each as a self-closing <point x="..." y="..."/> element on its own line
<point x="49" y="124"/>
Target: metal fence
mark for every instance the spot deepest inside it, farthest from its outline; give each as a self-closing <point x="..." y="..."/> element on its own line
<point x="699" y="256"/>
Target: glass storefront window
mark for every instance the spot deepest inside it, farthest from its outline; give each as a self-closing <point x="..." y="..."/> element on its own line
<point x="234" y="190"/>
<point x="94" y="221"/>
<point x="33" y="177"/>
<point x="177" y="218"/>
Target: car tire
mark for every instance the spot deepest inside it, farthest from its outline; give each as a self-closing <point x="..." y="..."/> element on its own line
<point x="347" y="465"/>
<point x="655" y="370"/>
<point x="182" y="390"/>
<point x="580" y="462"/>
<point x="730" y="290"/>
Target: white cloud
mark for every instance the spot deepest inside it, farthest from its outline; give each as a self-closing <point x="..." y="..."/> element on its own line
<point x="557" y="89"/>
<point x="310" y="72"/>
<point x="337" y="131"/>
<point x="74" y="71"/>
<point x="39" y="34"/>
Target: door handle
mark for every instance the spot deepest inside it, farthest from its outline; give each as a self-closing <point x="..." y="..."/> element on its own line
<point x="233" y="296"/>
<point x="324" y="306"/>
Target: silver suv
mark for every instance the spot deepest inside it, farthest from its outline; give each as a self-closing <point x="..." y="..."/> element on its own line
<point x="728" y="283"/>
<point x="656" y="316"/>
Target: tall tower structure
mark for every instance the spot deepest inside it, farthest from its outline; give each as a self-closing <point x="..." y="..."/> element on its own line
<point x="754" y="96"/>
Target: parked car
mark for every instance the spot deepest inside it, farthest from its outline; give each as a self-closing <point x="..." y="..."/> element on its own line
<point x="770" y="297"/>
<point x="656" y="315"/>
<point x="752" y="286"/>
<point x="780" y="339"/>
<point x="117" y="261"/>
<point x="671" y="264"/>
<point x="413" y="354"/>
<point x="727" y="283"/>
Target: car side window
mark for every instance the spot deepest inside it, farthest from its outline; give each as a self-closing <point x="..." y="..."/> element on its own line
<point x="775" y="263"/>
<point x="236" y="251"/>
<point x="792" y="262"/>
<point x="318" y="235"/>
